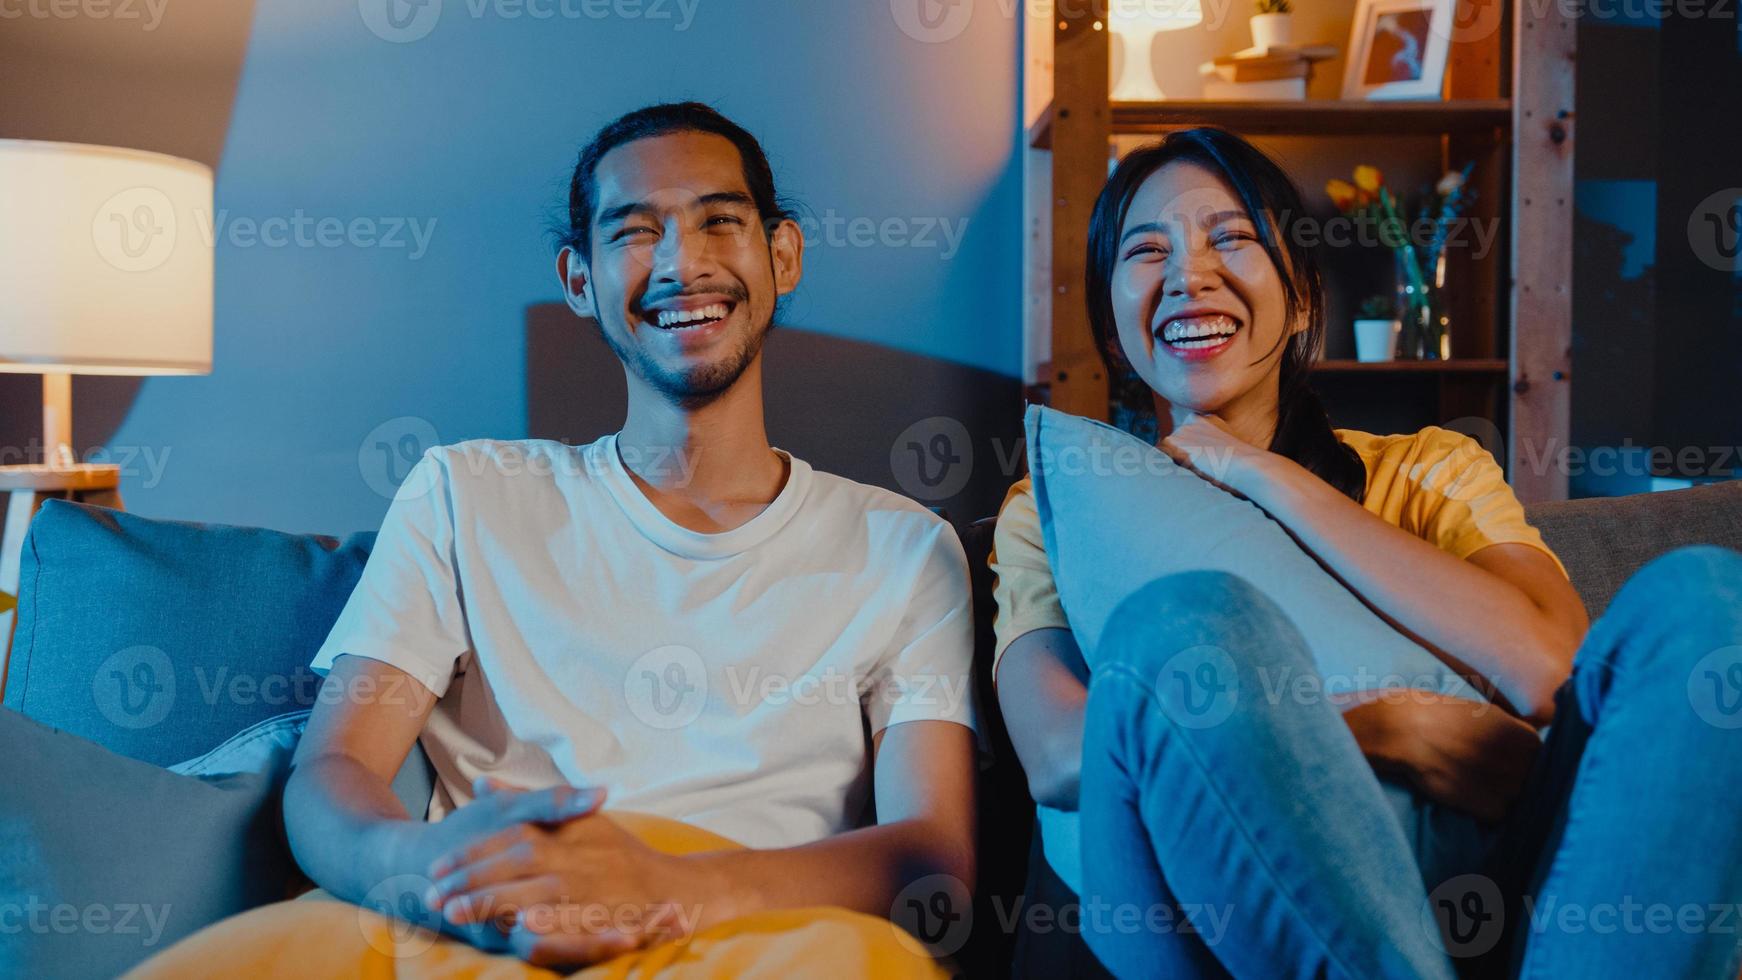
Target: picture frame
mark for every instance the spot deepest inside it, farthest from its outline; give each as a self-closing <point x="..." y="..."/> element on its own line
<point x="1397" y="49"/>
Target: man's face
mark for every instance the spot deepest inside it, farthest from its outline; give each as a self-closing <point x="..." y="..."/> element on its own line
<point x="683" y="277"/>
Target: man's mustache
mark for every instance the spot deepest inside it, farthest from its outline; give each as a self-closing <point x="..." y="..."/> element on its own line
<point x="734" y="292"/>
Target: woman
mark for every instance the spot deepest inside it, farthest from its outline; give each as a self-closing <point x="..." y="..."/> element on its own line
<point x="1272" y="834"/>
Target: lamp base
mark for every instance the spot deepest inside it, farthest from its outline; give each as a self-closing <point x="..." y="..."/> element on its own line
<point x="57" y="421"/>
<point x="1137" y="78"/>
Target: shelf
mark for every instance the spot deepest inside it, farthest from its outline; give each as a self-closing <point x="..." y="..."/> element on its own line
<point x="1468" y="365"/>
<point x="1311" y="117"/>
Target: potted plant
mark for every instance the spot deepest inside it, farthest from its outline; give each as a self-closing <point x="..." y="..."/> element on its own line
<point x="1272" y="26"/>
<point x="1377" y="329"/>
<point x="1420" y="265"/>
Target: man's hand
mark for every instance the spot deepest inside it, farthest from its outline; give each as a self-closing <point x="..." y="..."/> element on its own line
<point x="1468" y="755"/>
<point x="570" y="893"/>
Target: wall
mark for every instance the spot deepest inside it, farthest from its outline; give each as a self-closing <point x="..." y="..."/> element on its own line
<point x="460" y="128"/>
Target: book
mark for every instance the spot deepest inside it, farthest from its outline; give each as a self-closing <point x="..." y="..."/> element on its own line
<point x="1274" y="90"/>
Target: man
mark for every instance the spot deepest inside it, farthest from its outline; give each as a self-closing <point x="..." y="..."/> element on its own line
<point x="677" y="617"/>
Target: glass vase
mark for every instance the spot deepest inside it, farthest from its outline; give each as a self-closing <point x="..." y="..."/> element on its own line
<point x="1421" y="307"/>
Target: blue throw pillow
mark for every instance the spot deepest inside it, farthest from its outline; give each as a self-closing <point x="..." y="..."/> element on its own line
<point x="1117" y="513"/>
<point x="160" y="639"/>
<point x="105" y="860"/>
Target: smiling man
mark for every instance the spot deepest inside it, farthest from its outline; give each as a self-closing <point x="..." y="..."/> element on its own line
<point x="678" y="618"/>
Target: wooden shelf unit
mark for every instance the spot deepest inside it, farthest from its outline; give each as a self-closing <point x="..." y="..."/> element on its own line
<point x="1324" y="117"/>
<point x="1473" y="365"/>
<point x="1508" y="105"/>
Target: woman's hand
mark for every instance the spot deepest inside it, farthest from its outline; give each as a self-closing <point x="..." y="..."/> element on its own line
<point x="1206" y="445"/>
<point x="1468" y="755"/>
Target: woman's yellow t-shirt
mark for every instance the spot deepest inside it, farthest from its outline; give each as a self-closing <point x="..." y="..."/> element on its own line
<point x="1438" y="485"/>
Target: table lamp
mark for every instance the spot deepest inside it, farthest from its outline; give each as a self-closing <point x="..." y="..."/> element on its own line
<point x="1136" y="23"/>
<point x="105" y="268"/>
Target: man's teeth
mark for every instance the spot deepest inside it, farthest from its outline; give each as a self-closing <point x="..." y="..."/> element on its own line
<point x="1189" y="333"/>
<point x="672" y="318"/>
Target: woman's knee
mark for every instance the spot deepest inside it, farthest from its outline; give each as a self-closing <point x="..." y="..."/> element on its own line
<point x="1196" y="609"/>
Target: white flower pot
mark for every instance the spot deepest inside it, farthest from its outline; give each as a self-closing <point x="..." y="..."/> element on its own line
<point x="1376" y="340"/>
<point x="1272" y="30"/>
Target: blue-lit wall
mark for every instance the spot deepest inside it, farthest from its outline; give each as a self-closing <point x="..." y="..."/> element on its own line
<point x="903" y="148"/>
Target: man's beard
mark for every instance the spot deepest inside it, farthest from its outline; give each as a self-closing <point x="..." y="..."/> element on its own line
<point x="693" y="388"/>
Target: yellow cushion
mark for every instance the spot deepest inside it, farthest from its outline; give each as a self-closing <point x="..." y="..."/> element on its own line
<point x="334" y="939"/>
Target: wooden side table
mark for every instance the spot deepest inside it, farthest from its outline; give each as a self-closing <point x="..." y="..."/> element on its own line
<point x="26" y="487"/>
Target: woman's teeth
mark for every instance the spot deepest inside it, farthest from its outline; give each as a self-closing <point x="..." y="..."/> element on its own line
<point x="685" y="319"/>
<point x="1192" y="333"/>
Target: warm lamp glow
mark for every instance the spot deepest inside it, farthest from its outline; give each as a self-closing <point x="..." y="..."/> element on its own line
<point x="105" y="268"/>
<point x="1136" y="23"/>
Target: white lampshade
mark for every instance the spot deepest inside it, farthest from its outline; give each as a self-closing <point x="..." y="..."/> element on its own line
<point x="105" y="261"/>
<point x="1136" y="23"/>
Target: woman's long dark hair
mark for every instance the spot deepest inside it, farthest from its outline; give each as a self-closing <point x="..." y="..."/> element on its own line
<point x="1303" y="430"/>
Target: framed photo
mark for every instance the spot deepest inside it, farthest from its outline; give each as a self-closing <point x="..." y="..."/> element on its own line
<point x="1397" y="49"/>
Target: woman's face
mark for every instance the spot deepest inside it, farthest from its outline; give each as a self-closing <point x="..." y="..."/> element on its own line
<point x="1200" y="309"/>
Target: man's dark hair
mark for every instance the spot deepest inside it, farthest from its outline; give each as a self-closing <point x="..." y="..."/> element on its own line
<point x="663" y="120"/>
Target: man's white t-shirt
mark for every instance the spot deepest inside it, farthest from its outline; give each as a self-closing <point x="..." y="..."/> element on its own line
<point x="574" y="634"/>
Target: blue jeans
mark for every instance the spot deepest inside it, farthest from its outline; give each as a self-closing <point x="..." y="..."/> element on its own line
<point x="1254" y="820"/>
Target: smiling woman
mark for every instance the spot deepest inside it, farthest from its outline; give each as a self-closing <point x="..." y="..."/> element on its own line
<point x="1265" y="325"/>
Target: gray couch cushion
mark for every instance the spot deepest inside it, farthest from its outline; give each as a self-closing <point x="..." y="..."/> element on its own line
<point x="1604" y="540"/>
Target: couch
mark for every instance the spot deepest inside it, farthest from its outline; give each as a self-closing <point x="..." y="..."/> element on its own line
<point x="113" y="606"/>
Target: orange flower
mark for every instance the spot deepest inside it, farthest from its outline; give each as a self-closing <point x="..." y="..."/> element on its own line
<point x="1368" y="178"/>
<point x="1342" y="193"/>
